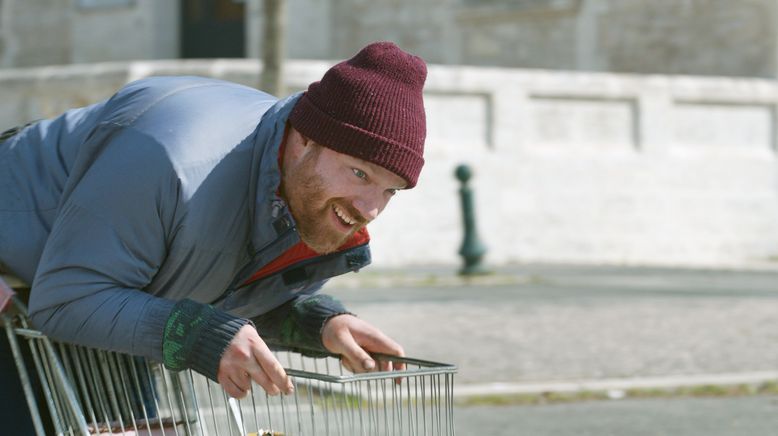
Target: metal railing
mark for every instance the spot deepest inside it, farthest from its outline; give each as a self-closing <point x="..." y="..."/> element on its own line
<point x="85" y="391"/>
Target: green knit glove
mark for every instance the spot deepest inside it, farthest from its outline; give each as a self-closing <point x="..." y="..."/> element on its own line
<point x="196" y="336"/>
<point x="302" y="327"/>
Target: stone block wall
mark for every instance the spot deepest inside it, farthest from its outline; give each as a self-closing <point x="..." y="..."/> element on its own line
<point x="58" y="32"/>
<point x="711" y="37"/>
<point x="569" y="167"/>
<point x="699" y="37"/>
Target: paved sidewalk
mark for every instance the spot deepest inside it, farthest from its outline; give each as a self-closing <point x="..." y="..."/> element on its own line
<point x="754" y="415"/>
<point x="542" y="325"/>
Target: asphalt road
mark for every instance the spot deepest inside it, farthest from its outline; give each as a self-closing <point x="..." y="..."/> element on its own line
<point x="545" y="324"/>
<point x="740" y="416"/>
<point x="573" y="323"/>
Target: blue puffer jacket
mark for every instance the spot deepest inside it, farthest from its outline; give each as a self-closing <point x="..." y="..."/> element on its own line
<point x="166" y="191"/>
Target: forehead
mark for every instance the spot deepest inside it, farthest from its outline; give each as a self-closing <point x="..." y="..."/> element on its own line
<point x="378" y="173"/>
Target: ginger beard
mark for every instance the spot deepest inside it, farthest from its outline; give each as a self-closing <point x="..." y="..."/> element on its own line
<point x="305" y="192"/>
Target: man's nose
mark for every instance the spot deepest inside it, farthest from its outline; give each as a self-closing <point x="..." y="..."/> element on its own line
<point x="369" y="206"/>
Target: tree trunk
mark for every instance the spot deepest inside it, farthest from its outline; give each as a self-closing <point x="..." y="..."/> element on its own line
<point x="273" y="47"/>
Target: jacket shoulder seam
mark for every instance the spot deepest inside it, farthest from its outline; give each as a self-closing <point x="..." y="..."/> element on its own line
<point x="162" y="97"/>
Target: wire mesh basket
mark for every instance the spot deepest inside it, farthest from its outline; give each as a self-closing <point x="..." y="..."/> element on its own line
<point x="89" y="392"/>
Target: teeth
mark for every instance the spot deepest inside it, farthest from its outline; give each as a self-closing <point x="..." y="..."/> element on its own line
<point x="347" y="219"/>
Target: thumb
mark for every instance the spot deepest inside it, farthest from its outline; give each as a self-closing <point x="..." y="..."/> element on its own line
<point x="358" y="359"/>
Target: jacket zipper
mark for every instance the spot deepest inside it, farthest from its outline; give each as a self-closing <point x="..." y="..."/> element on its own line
<point x="244" y="275"/>
<point x="245" y="272"/>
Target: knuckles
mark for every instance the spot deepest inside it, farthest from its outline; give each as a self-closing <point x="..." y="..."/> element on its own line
<point x="239" y="354"/>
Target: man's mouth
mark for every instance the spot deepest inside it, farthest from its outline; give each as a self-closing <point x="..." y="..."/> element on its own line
<point x="343" y="216"/>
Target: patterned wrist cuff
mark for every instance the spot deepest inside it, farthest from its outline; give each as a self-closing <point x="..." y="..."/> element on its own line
<point x="302" y="328"/>
<point x="196" y="336"/>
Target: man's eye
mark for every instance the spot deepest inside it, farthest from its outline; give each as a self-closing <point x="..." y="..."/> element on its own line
<point x="391" y="192"/>
<point x="359" y="173"/>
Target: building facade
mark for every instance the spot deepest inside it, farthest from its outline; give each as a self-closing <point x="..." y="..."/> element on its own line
<point x="570" y="166"/>
<point x="696" y="37"/>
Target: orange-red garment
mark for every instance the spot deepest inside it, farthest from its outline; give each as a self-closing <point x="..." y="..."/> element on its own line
<point x="300" y="252"/>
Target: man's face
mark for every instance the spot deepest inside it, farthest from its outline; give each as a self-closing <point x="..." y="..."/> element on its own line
<point x="333" y="195"/>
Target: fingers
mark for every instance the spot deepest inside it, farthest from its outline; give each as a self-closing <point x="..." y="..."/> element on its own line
<point x="259" y="377"/>
<point x="271" y="372"/>
<point x="353" y="338"/>
<point x="385" y="365"/>
<point x="346" y="364"/>
<point x="357" y="358"/>
<point x="232" y="388"/>
<point x="248" y="358"/>
<point x="374" y="340"/>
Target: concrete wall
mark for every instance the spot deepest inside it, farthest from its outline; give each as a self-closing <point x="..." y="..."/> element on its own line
<point x="703" y="37"/>
<point x="56" y="32"/>
<point x="569" y="167"/>
<point x="707" y="37"/>
<point x="713" y="37"/>
<point x="35" y="32"/>
<point x="144" y="29"/>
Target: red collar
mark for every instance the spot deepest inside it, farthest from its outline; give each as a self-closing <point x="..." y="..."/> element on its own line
<point x="300" y="251"/>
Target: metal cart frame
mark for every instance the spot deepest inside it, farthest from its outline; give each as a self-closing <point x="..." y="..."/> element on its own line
<point x="88" y="392"/>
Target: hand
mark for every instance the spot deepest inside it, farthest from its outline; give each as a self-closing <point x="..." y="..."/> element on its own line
<point x="353" y="338"/>
<point x="248" y="358"/>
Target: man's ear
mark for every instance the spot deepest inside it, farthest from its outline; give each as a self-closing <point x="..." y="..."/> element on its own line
<point x="306" y="140"/>
<point x="301" y="139"/>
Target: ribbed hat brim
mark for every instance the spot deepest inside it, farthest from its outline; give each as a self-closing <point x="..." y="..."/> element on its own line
<point x="354" y="141"/>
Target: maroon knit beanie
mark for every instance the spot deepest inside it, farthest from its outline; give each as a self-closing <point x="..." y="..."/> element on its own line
<point x="370" y="107"/>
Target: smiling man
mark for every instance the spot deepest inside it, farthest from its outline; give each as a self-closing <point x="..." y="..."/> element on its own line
<point x="332" y="195"/>
<point x="194" y="221"/>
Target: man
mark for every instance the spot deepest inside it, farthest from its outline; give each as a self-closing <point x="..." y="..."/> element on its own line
<point x="193" y="221"/>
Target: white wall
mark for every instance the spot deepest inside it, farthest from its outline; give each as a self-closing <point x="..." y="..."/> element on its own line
<point x="599" y="168"/>
<point x="569" y="167"/>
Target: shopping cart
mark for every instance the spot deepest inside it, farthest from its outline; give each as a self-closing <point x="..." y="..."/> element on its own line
<point x="85" y="391"/>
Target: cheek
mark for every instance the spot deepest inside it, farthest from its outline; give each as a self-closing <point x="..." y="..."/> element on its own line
<point x="340" y="187"/>
<point x="385" y="203"/>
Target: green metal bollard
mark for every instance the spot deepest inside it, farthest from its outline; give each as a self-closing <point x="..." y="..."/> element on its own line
<point x="472" y="250"/>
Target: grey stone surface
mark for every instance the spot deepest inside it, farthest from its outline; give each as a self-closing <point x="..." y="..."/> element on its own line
<point x="581" y="168"/>
<point x="701" y="37"/>
<point x="688" y="37"/>
<point x="555" y="324"/>
<point x="38" y="33"/>
<point x="678" y="416"/>
<point x="48" y="32"/>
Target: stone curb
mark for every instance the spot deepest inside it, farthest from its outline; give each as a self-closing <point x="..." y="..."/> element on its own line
<point x="615" y="385"/>
<point x="396" y="280"/>
<point x="533" y="274"/>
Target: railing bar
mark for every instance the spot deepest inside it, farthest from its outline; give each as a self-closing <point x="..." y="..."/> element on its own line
<point x="104" y="369"/>
<point x="97" y="388"/>
<point x="75" y="353"/>
<point x="168" y="394"/>
<point x="254" y="407"/>
<point x="213" y="409"/>
<point x="118" y="361"/>
<point x="201" y="421"/>
<point x="182" y="402"/>
<point x="24" y="376"/>
<point x="133" y="369"/>
<point x="155" y="395"/>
